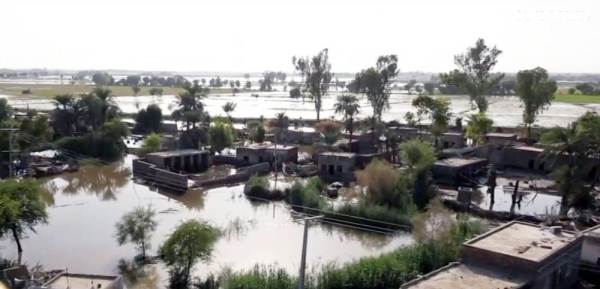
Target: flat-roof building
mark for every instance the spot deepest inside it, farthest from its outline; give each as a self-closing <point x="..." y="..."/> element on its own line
<point x="266" y="152"/>
<point x="188" y="160"/>
<point x="498" y="138"/>
<point x="336" y="166"/>
<point x="515" y="255"/>
<point x="457" y="170"/>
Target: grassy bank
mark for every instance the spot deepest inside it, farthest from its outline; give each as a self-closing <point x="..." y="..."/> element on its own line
<point x="385" y="271"/>
<point x="577" y="98"/>
<point x="50" y="90"/>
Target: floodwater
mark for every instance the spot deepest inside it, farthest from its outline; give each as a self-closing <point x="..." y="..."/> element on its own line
<point x="84" y="207"/>
<point x="504" y="110"/>
<point x="531" y="204"/>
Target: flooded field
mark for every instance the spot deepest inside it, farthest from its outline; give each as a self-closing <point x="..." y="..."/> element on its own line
<point x="504" y="110"/>
<point x="530" y="205"/>
<point x="86" y="205"/>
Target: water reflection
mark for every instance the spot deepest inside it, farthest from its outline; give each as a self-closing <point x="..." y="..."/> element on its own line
<point x="49" y="188"/>
<point x="192" y="199"/>
<point x="138" y="276"/>
<point x="369" y="240"/>
<point x="101" y="181"/>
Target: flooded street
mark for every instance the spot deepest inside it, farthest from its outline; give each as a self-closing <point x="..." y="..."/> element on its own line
<point x="504" y="110"/>
<point x="86" y="205"/>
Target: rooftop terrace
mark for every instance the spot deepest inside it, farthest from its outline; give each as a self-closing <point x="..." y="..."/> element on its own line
<point x="522" y="240"/>
<point x="455" y="276"/>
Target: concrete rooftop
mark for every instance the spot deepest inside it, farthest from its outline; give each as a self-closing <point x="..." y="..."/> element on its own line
<point x="338" y="154"/>
<point x="531" y="149"/>
<point x="522" y="240"/>
<point x="463" y="276"/>
<point x="499" y="134"/>
<point x="80" y="281"/>
<point x="458" y="162"/>
<point x="177" y="153"/>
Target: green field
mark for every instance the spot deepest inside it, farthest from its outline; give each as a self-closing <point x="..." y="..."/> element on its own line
<point x="50" y="90"/>
<point x="577" y="98"/>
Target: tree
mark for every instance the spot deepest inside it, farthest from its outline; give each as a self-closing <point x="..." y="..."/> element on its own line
<point x="429" y="87"/>
<point x="102" y="79"/>
<point x="420" y="157"/>
<point x="295" y="93"/>
<point x="316" y="72"/>
<point x="248" y="85"/>
<point x="22" y="209"/>
<point x="571" y="90"/>
<point x="107" y="102"/>
<point x="585" y="88"/>
<point x="536" y="91"/>
<point x="203" y="81"/>
<point x="137" y="227"/>
<point x="155" y="91"/>
<point x="136" y="90"/>
<point x="411" y="83"/>
<point x="474" y="73"/>
<point x="247" y="76"/>
<point x="149" y="119"/>
<point x="374" y="82"/>
<point x="192" y="241"/>
<point x="237" y="84"/>
<point x="280" y="124"/>
<point x="229" y="107"/>
<point x="152" y="143"/>
<point x="218" y="82"/>
<point x="34" y="130"/>
<point x="190" y="105"/>
<point x="5" y="110"/>
<point x="115" y="129"/>
<point x="479" y="126"/>
<point x="437" y="110"/>
<point x="347" y="105"/>
<point x="329" y="133"/>
<point x="221" y="136"/>
<point x="258" y="133"/>
<point x="63" y="117"/>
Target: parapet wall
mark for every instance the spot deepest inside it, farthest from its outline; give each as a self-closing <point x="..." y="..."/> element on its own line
<point x="160" y="177"/>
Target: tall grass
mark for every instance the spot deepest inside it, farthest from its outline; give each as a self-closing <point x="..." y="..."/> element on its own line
<point x="258" y="187"/>
<point x="371" y="215"/>
<point x="306" y="194"/>
<point x="385" y="271"/>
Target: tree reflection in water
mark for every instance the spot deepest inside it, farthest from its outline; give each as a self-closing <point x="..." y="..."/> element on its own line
<point x="49" y="188"/>
<point x="138" y="276"/>
<point x="192" y="199"/>
<point x="367" y="239"/>
<point x="102" y="181"/>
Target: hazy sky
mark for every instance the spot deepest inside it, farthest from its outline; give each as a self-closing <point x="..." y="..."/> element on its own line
<point x="253" y="36"/>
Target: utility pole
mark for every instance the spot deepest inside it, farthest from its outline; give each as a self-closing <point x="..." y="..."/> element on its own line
<point x="304" y="244"/>
<point x="10" y="149"/>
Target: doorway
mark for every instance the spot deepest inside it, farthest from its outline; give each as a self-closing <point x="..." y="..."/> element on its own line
<point x="531" y="164"/>
<point x="331" y="170"/>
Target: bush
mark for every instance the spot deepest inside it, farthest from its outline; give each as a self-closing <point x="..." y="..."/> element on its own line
<point x="258" y="187"/>
<point x="306" y="194"/>
<point x="359" y="212"/>
<point x="385" y="185"/>
<point x="93" y="145"/>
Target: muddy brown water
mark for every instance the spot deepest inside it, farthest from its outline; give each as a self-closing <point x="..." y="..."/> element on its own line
<point x="84" y="207"/>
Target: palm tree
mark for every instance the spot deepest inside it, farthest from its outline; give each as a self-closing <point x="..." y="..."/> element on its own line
<point x="107" y="100"/>
<point x="280" y="123"/>
<point x="330" y="137"/>
<point x="229" y="107"/>
<point x="372" y="122"/>
<point x="347" y="105"/>
<point x="187" y="101"/>
<point x="64" y="116"/>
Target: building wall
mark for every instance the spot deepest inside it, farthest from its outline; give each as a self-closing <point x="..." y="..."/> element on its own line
<point x="348" y="166"/>
<point x="156" y="160"/>
<point x="521" y="159"/>
<point x="252" y="154"/>
<point x="562" y="270"/>
<point x="590" y="252"/>
<point x="158" y="176"/>
<point x="497" y="140"/>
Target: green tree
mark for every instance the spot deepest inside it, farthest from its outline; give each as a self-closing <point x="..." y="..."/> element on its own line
<point x="329" y="133"/>
<point x="248" y="85"/>
<point x="258" y="133"/>
<point x="135" y="89"/>
<point x="115" y="129"/>
<point x="63" y="117"/>
<point x="221" y="136"/>
<point x="347" y="105"/>
<point x="479" y="125"/>
<point x="280" y="124"/>
<point x="317" y="75"/>
<point x="149" y="119"/>
<point x="429" y="87"/>
<point x="229" y="107"/>
<point x="102" y="79"/>
<point x="295" y="93"/>
<point x="536" y="91"/>
<point x="238" y="83"/>
<point x="420" y="157"/>
<point x="137" y="227"/>
<point x="6" y="110"/>
<point x="571" y="90"/>
<point x="152" y="143"/>
<point x="374" y="82"/>
<point x="190" y="105"/>
<point x="474" y="73"/>
<point x="22" y="209"/>
<point x="438" y="112"/>
<point x="192" y="241"/>
<point x="34" y="130"/>
<point x="247" y="76"/>
<point x="107" y="102"/>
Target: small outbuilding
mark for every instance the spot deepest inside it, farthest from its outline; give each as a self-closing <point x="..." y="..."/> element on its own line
<point x="337" y="166"/>
<point x="189" y="160"/>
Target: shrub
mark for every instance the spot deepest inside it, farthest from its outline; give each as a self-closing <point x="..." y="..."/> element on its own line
<point x="258" y="187"/>
<point x="93" y="145"/>
<point x="306" y="194"/>
<point x="385" y="185"/>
